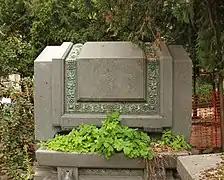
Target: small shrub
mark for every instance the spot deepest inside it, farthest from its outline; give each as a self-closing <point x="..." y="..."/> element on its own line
<point x="17" y="129"/>
<point x="203" y="88"/>
<point x="177" y="142"/>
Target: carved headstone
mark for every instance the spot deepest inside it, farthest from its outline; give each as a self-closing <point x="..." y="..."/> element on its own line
<point x="76" y="83"/>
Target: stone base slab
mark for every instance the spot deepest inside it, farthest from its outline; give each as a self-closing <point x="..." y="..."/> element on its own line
<point x="80" y="166"/>
<point x="85" y="160"/>
<point x="191" y="167"/>
<point x="49" y="173"/>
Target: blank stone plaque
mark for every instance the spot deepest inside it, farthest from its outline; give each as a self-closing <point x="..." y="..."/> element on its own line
<point x="111" y="71"/>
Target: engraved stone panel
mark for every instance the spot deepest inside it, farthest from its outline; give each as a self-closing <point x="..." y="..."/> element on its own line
<point x="111" y="80"/>
<point x="111" y="71"/>
<point x="111" y="174"/>
<point x="152" y="81"/>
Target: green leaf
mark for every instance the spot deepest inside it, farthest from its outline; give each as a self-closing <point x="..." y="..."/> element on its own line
<point x="127" y="150"/>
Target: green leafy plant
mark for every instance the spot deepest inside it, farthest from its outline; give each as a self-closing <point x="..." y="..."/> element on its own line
<point x="107" y="140"/>
<point x="203" y="88"/>
<point x="177" y="142"/>
<point x="203" y="93"/>
<point x="111" y="138"/>
<point x="28" y="173"/>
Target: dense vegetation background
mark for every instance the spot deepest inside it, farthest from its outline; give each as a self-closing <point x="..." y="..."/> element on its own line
<point x="26" y="27"/>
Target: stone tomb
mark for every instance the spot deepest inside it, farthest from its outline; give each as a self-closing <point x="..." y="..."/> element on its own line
<point x="77" y="83"/>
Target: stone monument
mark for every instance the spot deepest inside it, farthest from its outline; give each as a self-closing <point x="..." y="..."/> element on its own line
<point x="76" y="83"/>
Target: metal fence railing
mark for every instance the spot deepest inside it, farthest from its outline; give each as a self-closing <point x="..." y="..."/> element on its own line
<point x="205" y="130"/>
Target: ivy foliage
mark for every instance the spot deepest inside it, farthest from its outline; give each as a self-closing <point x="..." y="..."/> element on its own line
<point x="17" y="131"/>
<point x="107" y="140"/>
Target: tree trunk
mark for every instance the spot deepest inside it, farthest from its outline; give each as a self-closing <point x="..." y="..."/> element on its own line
<point x="192" y="42"/>
<point x="216" y="26"/>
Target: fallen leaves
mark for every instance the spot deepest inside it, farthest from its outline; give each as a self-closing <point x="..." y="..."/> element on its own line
<point x="214" y="173"/>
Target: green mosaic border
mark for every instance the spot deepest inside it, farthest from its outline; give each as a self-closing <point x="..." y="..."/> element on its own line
<point x="72" y="106"/>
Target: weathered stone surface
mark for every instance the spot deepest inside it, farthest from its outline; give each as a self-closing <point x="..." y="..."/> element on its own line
<point x="111" y="50"/>
<point x="182" y="91"/>
<point x="87" y="166"/>
<point x="116" y="80"/>
<point x="45" y="173"/>
<point x="58" y="83"/>
<point x="111" y="71"/>
<point x="191" y="167"/>
<point x="158" y="91"/>
<point x="72" y="103"/>
<point x="49" y="173"/>
<point x="56" y="158"/>
<point x="110" y="178"/>
<point x="110" y="172"/>
<point x="48" y="102"/>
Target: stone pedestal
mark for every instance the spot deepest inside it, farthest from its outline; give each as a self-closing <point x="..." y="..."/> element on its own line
<point x="81" y="166"/>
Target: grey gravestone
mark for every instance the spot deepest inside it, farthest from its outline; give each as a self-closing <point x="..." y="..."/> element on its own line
<point x="76" y="83"/>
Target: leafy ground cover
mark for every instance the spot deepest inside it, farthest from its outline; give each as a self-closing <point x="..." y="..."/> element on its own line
<point x="112" y="137"/>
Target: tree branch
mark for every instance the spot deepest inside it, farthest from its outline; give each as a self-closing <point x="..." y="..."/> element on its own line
<point x="215" y="23"/>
